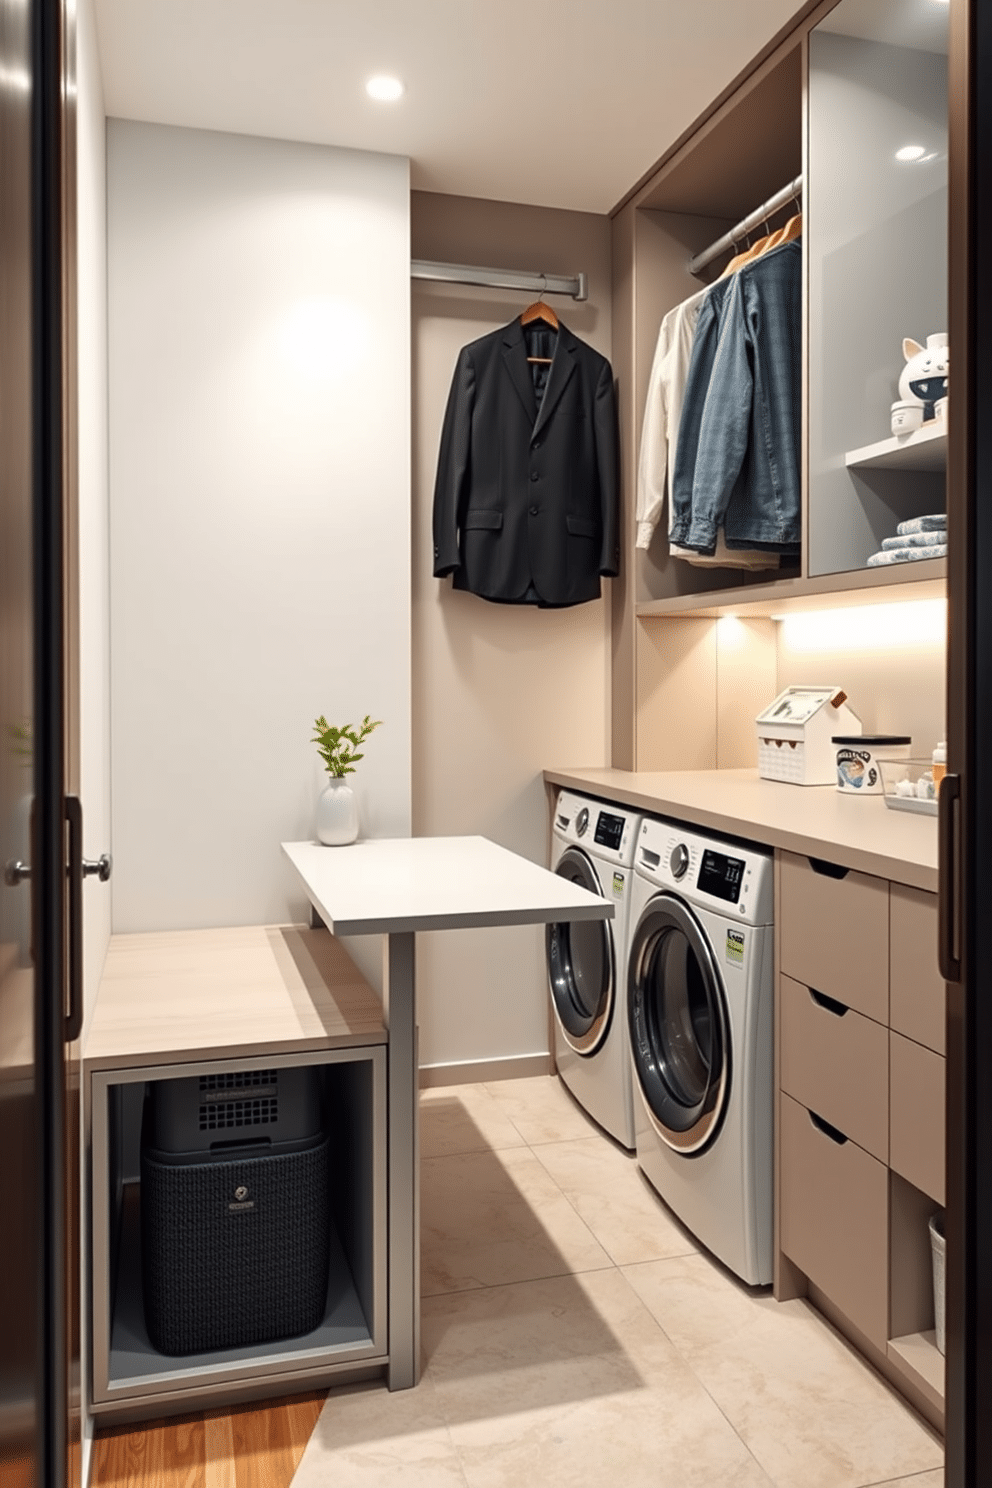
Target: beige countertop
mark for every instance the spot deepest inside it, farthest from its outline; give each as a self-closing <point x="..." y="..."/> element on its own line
<point x="177" y="996"/>
<point x="819" y="821"/>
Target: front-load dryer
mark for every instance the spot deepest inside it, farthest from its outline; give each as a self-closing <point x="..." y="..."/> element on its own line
<point x="593" y="845"/>
<point x="699" y="1005"/>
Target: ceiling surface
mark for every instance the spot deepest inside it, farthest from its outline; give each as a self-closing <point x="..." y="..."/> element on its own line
<point x="562" y="103"/>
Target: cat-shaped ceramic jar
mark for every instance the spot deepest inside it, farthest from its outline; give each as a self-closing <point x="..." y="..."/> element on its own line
<point x="924" y="377"/>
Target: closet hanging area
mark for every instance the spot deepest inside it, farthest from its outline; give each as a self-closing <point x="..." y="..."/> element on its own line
<point x="722" y="193"/>
<point x="779" y="339"/>
<point x="691" y="474"/>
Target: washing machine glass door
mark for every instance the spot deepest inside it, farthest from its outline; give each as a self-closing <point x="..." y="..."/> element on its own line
<point x="677" y="1012"/>
<point x="580" y="965"/>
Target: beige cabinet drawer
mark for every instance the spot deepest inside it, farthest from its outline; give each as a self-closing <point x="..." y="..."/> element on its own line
<point x="834" y="933"/>
<point x="836" y="1062"/>
<point x="917" y="991"/>
<point x="916" y="1137"/>
<point x="834" y="1218"/>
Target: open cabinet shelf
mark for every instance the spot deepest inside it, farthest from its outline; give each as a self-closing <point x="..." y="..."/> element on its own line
<point x="130" y="1375"/>
<point x="917" y="1355"/>
<point x="889" y="585"/>
<point x="924" y="450"/>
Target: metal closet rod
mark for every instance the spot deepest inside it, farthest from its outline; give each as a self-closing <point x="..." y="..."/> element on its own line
<point x="757" y="217"/>
<point x="446" y="273"/>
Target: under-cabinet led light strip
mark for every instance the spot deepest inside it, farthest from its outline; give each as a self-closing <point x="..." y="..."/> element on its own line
<point x="901" y="626"/>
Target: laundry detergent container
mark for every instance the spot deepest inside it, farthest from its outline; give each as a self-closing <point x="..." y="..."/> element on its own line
<point x="235" y="1209"/>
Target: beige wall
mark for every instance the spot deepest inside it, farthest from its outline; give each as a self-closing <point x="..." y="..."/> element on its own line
<point x="499" y="692"/>
<point x="897" y="689"/>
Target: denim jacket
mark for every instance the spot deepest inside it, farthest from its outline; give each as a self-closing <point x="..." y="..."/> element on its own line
<point x="737" y="462"/>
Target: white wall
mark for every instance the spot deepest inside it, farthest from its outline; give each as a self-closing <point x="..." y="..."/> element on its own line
<point x="94" y="596"/>
<point x="501" y="691"/>
<point x="259" y="325"/>
<point x="94" y="582"/>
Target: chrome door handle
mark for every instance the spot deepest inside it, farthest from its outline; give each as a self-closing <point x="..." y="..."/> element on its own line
<point x="15" y="872"/>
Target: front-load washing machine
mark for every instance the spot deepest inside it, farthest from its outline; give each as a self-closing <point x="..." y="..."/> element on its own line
<point x="593" y="845"/>
<point x="699" y="1004"/>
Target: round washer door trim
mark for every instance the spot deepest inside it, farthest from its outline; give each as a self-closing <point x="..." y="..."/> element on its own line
<point x="688" y="1129"/>
<point x="587" y="1034"/>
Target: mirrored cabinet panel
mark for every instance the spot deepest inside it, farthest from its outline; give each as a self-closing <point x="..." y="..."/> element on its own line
<point x="876" y="225"/>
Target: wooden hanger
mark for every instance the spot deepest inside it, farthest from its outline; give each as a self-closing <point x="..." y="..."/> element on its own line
<point x="539" y="311"/>
<point x="792" y="230"/>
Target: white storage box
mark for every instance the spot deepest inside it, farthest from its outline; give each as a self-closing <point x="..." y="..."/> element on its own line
<point x="795" y="735"/>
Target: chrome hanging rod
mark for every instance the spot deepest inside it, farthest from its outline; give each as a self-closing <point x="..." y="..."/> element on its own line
<point x="729" y="240"/>
<point x="446" y="273"/>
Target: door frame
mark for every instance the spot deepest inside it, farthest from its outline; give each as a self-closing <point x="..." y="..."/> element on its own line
<point x="966" y="793"/>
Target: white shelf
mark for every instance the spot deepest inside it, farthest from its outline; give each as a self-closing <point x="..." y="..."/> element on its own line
<point x="924" y="450"/>
<point x="386" y="886"/>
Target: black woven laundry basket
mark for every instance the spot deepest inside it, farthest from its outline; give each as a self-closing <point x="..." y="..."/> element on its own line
<point x="235" y="1237"/>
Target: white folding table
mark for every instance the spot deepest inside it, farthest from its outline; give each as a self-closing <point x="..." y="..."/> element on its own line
<point x="395" y="887"/>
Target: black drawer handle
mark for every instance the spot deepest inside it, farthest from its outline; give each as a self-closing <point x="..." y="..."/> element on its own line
<point x="828" y="870"/>
<point x="832" y="1132"/>
<point x="829" y="1004"/>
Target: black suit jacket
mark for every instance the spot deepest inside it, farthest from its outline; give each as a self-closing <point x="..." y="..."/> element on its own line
<point x="525" y="504"/>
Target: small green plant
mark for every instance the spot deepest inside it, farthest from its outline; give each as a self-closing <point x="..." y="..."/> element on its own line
<point x="338" y="746"/>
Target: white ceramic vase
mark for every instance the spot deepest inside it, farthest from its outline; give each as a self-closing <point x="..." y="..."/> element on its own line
<point x="337" y="813"/>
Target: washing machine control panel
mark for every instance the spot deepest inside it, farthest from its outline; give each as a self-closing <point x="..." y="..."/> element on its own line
<point x="606" y="832"/>
<point x="733" y="878"/>
<point x="609" y="830"/>
<point x="721" y="875"/>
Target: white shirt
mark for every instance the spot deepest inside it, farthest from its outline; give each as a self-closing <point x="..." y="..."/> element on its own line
<point x="659" y="440"/>
<point x="662" y="413"/>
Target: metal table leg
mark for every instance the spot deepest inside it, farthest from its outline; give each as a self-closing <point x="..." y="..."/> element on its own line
<point x="400" y="1007"/>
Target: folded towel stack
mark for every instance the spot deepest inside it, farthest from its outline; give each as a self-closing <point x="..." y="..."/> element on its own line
<point x="921" y="537"/>
<point x="935" y="523"/>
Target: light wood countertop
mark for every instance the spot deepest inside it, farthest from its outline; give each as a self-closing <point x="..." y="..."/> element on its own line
<point x="819" y="821"/>
<point x="175" y="996"/>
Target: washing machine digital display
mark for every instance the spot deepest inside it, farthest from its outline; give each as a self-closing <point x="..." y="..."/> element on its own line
<point x="609" y="830"/>
<point x="721" y="876"/>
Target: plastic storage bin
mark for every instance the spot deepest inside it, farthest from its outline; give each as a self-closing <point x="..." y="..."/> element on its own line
<point x="235" y="1209"/>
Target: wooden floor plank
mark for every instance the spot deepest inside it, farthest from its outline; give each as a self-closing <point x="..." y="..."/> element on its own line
<point x="303" y="1417"/>
<point x="259" y="1447"/>
<point x="166" y="1454"/>
<point x="220" y="1471"/>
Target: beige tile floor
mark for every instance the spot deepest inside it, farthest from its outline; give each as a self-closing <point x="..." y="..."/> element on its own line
<point x="574" y="1334"/>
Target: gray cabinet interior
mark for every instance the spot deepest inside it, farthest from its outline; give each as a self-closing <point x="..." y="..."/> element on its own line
<point x="128" y="1370"/>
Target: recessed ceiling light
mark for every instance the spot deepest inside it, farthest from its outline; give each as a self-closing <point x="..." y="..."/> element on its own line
<point x="911" y="152"/>
<point x="384" y="89"/>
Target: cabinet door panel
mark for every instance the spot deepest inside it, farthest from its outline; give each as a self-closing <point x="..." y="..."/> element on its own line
<point x="834" y="933"/>
<point x="837" y="1064"/>
<point x="917" y="1116"/>
<point x="917" y="991"/>
<point x="835" y="1216"/>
